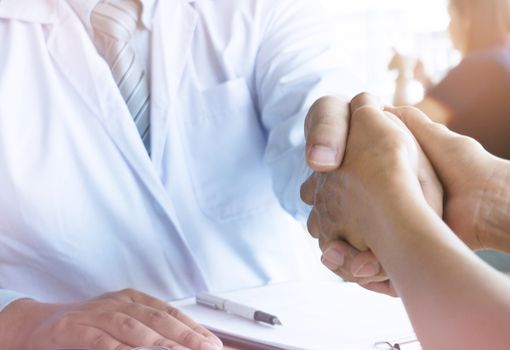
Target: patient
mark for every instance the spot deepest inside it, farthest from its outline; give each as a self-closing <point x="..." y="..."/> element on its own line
<point x="473" y="98"/>
<point x="376" y="200"/>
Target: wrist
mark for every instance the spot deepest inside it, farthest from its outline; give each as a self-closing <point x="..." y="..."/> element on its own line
<point x="399" y="197"/>
<point x="405" y="220"/>
<point x="20" y="319"/>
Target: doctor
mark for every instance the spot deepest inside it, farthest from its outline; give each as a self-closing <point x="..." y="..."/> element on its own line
<point x="151" y="147"/>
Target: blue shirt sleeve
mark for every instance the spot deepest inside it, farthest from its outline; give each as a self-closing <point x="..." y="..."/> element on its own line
<point x="297" y="63"/>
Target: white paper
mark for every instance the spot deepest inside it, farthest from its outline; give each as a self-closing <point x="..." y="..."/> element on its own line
<point x="315" y="316"/>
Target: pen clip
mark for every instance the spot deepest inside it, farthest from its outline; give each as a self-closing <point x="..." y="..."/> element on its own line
<point x="207" y="303"/>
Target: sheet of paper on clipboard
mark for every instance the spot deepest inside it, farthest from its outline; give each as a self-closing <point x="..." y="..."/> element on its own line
<point x="315" y="316"/>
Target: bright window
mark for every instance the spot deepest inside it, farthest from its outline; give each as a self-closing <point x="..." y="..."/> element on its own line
<point x="369" y="29"/>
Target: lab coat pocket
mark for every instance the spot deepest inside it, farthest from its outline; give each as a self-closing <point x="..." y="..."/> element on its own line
<point x="226" y="142"/>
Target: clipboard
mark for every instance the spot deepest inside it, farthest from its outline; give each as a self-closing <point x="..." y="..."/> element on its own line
<point x="316" y="315"/>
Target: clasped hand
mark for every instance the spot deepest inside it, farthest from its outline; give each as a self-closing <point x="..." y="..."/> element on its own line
<point x="379" y="166"/>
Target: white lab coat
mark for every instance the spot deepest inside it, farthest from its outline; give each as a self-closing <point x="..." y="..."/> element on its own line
<point x="84" y="210"/>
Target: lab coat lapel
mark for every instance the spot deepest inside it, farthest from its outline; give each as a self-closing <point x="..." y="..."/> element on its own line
<point x="77" y="60"/>
<point x="90" y="76"/>
<point x="173" y="30"/>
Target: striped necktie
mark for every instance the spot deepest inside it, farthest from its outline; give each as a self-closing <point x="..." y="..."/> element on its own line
<point x="114" y="24"/>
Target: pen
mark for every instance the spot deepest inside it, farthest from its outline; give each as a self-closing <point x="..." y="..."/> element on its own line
<point x="237" y="309"/>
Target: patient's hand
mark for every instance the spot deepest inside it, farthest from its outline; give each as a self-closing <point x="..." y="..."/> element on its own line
<point x="329" y="192"/>
<point x="476" y="183"/>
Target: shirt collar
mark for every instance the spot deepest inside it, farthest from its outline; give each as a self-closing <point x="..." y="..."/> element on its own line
<point x="35" y="11"/>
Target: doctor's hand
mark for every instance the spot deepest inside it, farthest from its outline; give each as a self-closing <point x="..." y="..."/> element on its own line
<point x="356" y="263"/>
<point x="119" y="321"/>
<point x="326" y="131"/>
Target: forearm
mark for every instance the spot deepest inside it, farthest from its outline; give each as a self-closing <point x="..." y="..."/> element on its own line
<point x="494" y="225"/>
<point x="468" y="308"/>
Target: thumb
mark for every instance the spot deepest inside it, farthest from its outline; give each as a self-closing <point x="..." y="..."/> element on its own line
<point x="441" y="146"/>
<point x="326" y="128"/>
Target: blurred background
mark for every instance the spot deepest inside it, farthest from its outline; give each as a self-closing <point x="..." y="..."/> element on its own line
<point x="368" y="30"/>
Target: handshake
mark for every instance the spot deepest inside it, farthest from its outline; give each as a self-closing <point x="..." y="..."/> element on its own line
<point x="382" y="174"/>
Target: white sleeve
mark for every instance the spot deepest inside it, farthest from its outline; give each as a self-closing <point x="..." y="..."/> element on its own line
<point x="7" y="297"/>
<point x="297" y="63"/>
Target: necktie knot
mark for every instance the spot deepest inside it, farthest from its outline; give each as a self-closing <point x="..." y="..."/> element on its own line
<point x="116" y="19"/>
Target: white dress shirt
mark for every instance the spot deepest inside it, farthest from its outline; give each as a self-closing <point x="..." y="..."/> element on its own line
<point x="86" y="211"/>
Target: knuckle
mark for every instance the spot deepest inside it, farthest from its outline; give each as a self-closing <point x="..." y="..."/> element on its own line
<point x="174" y="312"/>
<point x="308" y="189"/>
<point x="323" y="243"/>
<point x="122" y="322"/>
<point x="469" y="143"/>
<point x="311" y="229"/>
<point x="65" y="323"/>
<point x="312" y="226"/>
<point x="126" y="323"/>
<point x="99" y="341"/>
<point x="188" y="337"/>
<point x="364" y="112"/>
<point x="306" y="196"/>
<point x="156" y="317"/>
<point x="198" y="329"/>
<point x="436" y="127"/>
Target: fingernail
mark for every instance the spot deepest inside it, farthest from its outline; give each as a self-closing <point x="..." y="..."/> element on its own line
<point x="333" y="259"/>
<point x="322" y="155"/>
<point x="368" y="270"/>
<point x="209" y="346"/>
<point x="180" y="347"/>
<point x="215" y="340"/>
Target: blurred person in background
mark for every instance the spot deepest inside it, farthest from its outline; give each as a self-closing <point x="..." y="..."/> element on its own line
<point x="473" y="97"/>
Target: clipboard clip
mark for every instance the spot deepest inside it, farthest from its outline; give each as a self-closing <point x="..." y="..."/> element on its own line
<point x="396" y="345"/>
